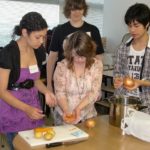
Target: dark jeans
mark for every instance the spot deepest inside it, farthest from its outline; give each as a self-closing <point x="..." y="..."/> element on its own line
<point x="10" y="137"/>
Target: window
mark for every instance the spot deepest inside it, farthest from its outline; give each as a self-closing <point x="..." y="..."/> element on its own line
<point x="95" y="13"/>
<point x="12" y="12"/>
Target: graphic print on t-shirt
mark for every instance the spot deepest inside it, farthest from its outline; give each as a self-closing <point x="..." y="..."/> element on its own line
<point x="135" y="59"/>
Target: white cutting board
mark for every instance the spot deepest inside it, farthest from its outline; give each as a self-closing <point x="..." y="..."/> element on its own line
<point x="63" y="133"/>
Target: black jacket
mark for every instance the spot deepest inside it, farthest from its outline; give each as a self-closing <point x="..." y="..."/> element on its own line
<point x="10" y="59"/>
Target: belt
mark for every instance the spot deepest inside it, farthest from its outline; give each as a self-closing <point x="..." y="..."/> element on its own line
<point x="27" y="84"/>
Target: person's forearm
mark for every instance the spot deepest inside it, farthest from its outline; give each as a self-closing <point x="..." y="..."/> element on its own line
<point x="62" y="102"/>
<point x="83" y="103"/>
<point x="144" y="82"/>
<point x="50" y="68"/>
<point x="40" y="86"/>
<point x="90" y="98"/>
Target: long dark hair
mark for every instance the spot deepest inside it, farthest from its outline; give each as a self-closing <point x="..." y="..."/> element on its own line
<point x="31" y="21"/>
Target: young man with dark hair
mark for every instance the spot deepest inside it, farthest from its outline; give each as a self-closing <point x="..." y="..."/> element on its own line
<point x="133" y="57"/>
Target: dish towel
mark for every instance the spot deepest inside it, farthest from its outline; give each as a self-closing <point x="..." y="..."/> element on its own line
<point x="136" y="123"/>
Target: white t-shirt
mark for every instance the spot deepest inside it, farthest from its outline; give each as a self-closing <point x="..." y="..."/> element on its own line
<point x="135" y="59"/>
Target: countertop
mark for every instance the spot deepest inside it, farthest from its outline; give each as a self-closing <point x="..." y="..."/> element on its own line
<point x="102" y="137"/>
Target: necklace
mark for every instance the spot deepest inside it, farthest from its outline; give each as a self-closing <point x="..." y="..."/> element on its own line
<point x="80" y="84"/>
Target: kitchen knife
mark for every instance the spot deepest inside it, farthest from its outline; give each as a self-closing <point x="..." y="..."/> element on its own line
<point x="54" y="144"/>
<point x="62" y="143"/>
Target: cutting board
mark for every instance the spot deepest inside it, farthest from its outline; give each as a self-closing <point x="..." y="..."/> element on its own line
<point x="64" y="133"/>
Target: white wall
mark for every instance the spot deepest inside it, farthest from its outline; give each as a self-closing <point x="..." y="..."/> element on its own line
<point x="114" y="27"/>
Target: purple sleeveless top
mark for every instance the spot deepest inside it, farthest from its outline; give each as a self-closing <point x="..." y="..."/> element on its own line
<point x="14" y="120"/>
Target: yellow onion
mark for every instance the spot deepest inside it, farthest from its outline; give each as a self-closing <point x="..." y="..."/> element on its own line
<point x="128" y="82"/>
<point x="46" y="132"/>
<point x="48" y="136"/>
<point x="38" y="135"/>
<point x="90" y="123"/>
<point x="69" y="118"/>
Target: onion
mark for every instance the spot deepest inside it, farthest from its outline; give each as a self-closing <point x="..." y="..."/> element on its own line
<point x="38" y="135"/>
<point x="52" y="132"/>
<point x="69" y="118"/>
<point x="90" y="123"/>
<point x="48" y="136"/>
<point x="47" y="133"/>
<point x="129" y="82"/>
